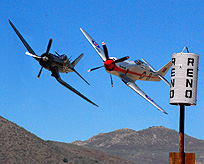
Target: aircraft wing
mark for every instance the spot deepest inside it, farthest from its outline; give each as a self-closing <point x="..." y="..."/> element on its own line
<point x="94" y="44"/>
<point x="55" y="73"/>
<point x="134" y="87"/>
<point x="23" y="41"/>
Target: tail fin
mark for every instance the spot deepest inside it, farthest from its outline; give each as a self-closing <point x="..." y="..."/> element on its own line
<point x="77" y="60"/>
<point x="161" y="72"/>
<point x="164" y="69"/>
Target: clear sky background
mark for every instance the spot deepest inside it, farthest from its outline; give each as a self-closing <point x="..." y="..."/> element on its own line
<point x="152" y="30"/>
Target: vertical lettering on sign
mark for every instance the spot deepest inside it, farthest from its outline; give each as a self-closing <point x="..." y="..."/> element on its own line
<point x="172" y="72"/>
<point x="173" y="61"/>
<point x="189" y="83"/>
<point x="189" y="72"/>
<point x="188" y="94"/>
<point x="171" y="94"/>
<point x="190" y="61"/>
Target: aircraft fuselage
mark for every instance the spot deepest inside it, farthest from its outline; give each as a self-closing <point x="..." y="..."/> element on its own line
<point x="134" y="70"/>
<point x="63" y="63"/>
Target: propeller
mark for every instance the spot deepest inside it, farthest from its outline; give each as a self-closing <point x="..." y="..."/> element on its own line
<point x="44" y="58"/>
<point x="105" y="50"/>
<point x="39" y="73"/>
<point x="109" y="64"/>
<point x="39" y="57"/>
<point x="111" y="80"/>
<point x="95" y="68"/>
<point x="48" y="47"/>
<point x="35" y="56"/>
<point x="121" y="59"/>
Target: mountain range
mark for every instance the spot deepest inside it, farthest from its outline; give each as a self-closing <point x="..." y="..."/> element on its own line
<point x="146" y="146"/>
<point x="123" y="146"/>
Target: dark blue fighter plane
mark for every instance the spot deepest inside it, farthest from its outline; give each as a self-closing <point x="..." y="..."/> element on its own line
<point x="54" y="63"/>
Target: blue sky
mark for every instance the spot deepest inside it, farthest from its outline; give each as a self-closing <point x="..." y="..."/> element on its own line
<point x="152" y="30"/>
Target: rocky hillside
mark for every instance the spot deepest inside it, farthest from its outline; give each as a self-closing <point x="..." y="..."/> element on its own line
<point x="22" y="147"/>
<point x="151" y="145"/>
<point x="126" y="146"/>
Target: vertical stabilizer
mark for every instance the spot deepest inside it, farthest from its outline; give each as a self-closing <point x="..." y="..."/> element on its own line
<point x="77" y="60"/>
<point x="161" y="72"/>
<point x="164" y="69"/>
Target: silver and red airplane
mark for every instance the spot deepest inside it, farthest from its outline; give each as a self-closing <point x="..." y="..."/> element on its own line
<point x="54" y="63"/>
<point x="129" y="71"/>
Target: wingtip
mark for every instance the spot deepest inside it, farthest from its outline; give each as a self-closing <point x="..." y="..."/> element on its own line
<point x="164" y="112"/>
<point x="10" y="22"/>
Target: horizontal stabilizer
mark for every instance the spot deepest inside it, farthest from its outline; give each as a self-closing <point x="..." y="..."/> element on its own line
<point x="165" y="80"/>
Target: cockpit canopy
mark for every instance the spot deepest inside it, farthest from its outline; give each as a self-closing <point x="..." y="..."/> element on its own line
<point x="139" y="62"/>
<point x="63" y="56"/>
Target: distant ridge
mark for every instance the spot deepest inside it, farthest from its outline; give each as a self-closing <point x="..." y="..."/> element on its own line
<point x="18" y="146"/>
<point x="146" y="146"/>
<point x="122" y="146"/>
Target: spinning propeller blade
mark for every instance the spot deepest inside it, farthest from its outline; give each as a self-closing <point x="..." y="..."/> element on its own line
<point x="39" y="73"/>
<point x="35" y="56"/>
<point x="105" y="50"/>
<point x="49" y="45"/>
<point x="111" y="80"/>
<point x="121" y="59"/>
<point x="95" y="68"/>
<point x="107" y="58"/>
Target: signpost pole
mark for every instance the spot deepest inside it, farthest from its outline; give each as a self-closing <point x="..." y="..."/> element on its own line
<point x="181" y="135"/>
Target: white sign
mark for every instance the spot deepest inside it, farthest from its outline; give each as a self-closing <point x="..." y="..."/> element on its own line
<point x="184" y="75"/>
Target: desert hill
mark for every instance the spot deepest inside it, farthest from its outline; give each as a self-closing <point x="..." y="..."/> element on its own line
<point x="150" y="145"/>
<point x="22" y="147"/>
<point x="123" y="146"/>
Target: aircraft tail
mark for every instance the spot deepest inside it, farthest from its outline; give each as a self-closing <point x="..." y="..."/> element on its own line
<point x="160" y="72"/>
<point x="164" y="69"/>
<point x="77" y="60"/>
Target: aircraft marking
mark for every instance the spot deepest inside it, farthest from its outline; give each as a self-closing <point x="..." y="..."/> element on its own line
<point x="149" y="98"/>
<point x="95" y="43"/>
<point x="130" y="72"/>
